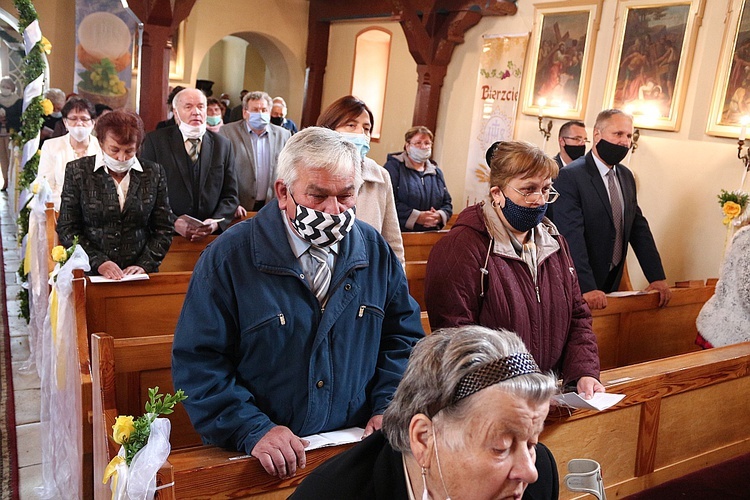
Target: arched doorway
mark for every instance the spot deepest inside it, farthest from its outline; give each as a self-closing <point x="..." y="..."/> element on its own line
<point x="248" y="61"/>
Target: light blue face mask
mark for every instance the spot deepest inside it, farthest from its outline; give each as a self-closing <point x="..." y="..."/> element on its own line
<point x="362" y="142"/>
<point x="259" y="121"/>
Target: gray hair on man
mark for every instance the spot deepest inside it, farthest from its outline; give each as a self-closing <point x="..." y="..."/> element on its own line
<point x="257" y="95"/>
<point x="322" y="149"/>
<point x="280" y="101"/>
<point x="604" y="116"/>
<point x="179" y="95"/>
<point x="439" y="365"/>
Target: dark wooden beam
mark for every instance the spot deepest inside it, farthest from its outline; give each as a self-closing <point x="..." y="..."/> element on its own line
<point x="160" y="20"/>
<point x="432" y="28"/>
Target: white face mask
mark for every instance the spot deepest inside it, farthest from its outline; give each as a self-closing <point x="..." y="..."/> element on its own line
<point x="419" y="155"/>
<point x="79" y="133"/>
<point x="117" y="166"/>
<point x="193" y="131"/>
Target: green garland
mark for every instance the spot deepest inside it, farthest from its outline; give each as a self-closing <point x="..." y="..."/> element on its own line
<point x="31" y="123"/>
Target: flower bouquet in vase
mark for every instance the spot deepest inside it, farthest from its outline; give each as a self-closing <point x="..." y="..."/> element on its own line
<point x="144" y="448"/>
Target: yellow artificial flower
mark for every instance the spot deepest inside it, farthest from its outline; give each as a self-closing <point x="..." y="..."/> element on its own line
<point x="46" y="46"/>
<point x="59" y="254"/>
<point x="122" y="429"/>
<point x="731" y="210"/>
<point x="47" y="107"/>
<point x="35" y="188"/>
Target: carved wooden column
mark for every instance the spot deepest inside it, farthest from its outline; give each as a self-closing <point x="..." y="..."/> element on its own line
<point x="154" y="74"/>
<point x="317" y="59"/>
<point x="160" y="20"/>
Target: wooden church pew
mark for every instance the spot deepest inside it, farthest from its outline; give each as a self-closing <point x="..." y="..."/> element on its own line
<point x="634" y="329"/>
<point x="197" y="471"/>
<point x="417" y="246"/>
<point x="680" y="414"/>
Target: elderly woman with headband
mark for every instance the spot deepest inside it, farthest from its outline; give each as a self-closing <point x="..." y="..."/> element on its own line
<point x="504" y="265"/>
<point x="464" y="424"/>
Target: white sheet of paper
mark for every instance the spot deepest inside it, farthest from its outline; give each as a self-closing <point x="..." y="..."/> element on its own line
<point x="600" y="401"/>
<point x="128" y="277"/>
<point x="626" y="293"/>
<point x="333" y="438"/>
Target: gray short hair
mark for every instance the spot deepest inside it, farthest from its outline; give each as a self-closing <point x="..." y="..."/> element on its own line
<point x="604" y="116"/>
<point x="178" y="96"/>
<point x="257" y="96"/>
<point x="437" y="365"/>
<point x="322" y="149"/>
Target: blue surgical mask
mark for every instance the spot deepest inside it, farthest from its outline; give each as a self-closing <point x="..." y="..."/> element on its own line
<point x="259" y="121"/>
<point x="213" y="120"/>
<point x="523" y="218"/>
<point x="362" y="142"/>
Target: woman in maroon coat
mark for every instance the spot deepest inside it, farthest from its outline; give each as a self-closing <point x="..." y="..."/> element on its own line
<point x="503" y="265"/>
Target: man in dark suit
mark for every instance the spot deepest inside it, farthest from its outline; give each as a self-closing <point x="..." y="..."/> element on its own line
<point x="256" y="144"/>
<point x="199" y="165"/>
<point x="572" y="139"/>
<point x="598" y="214"/>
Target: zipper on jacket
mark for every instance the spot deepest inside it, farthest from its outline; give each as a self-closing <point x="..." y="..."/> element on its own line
<point x="282" y="319"/>
<point x="361" y="311"/>
<point x="538" y="297"/>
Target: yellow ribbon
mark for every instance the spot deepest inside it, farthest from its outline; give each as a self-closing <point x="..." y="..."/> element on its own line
<point x="59" y="354"/>
<point x="29" y="244"/>
<point x="111" y="471"/>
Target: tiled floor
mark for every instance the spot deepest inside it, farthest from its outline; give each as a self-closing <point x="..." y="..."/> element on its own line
<point x="25" y="385"/>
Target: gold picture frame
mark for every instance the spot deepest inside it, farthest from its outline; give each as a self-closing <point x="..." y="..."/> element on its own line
<point x="651" y="58"/>
<point x="560" y="58"/>
<point x="728" y="102"/>
<point x="177" y="53"/>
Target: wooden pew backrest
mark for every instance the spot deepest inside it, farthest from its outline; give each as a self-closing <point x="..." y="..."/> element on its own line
<point x="680" y="414"/>
<point x="634" y="329"/>
<point x="415" y="273"/>
<point x="417" y="246"/>
<point x="197" y="471"/>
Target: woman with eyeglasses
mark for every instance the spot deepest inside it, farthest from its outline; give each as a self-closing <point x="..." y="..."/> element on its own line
<point x="504" y="265"/>
<point x="78" y="116"/>
<point x="422" y="199"/>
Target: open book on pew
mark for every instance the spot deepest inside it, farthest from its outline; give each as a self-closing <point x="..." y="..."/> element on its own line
<point x="626" y="293"/>
<point x="325" y="439"/>
<point x="600" y="401"/>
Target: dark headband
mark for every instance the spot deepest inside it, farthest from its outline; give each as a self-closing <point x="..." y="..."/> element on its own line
<point x="495" y="372"/>
<point x="491" y="151"/>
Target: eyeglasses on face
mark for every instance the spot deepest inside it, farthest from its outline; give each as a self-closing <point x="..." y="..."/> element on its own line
<point x="546" y="195"/>
<point x="422" y="144"/>
<point x="577" y="140"/>
<point x="78" y="120"/>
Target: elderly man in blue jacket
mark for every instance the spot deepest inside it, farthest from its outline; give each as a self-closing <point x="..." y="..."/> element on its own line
<point x="299" y="320"/>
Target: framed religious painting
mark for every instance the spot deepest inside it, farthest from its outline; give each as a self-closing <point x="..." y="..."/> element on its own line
<point x="730" y="103"/>
<point x="560" y="58"/>
<point x="651" y="57"/>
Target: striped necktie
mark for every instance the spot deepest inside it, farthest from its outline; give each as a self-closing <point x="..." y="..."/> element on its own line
<point x="194" y="143"/>
<point x="616" y="202"/>
<point x="322" y="277"/>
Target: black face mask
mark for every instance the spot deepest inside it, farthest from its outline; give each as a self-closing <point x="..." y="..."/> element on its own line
<point x="277" y="120"/>
<point x="611" y="154"/>
<point x="575" y="152"/>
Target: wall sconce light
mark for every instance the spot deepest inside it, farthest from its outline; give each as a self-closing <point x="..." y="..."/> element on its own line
<point x="545" y="129"/>
<point x="634" y="140"/>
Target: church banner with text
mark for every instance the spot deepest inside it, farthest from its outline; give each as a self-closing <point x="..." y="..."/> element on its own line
<point x="494" y="112"/>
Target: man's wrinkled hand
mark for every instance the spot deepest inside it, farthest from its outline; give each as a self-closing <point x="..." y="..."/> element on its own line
<point x="665" y="294"/>
<point x="587" y="386"/>
<point x="133" y="270"/>
<point x="374" y="424"/>
<point x="596" y="299"/>
<point x="280" y="452"/>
